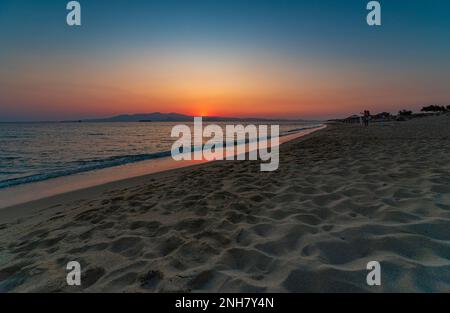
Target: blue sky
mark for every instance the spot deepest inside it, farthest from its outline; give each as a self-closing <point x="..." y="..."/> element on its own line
<point x="411" y="49"/>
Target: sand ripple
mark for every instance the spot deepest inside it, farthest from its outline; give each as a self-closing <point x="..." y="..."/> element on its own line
<point x="341" y="198"/>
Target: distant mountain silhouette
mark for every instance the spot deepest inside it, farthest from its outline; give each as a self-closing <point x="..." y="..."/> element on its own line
<point x="169" y="117"/>
<point x="150" y="117"/>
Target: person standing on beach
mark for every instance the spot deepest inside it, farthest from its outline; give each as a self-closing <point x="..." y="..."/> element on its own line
<point x="366" y="118"/>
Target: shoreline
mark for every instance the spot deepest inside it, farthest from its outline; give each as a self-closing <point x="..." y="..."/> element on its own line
<point x="342" y="197"/>
<point x="26" y="193"/>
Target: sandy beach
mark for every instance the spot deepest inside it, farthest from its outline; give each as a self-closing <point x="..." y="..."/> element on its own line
<point x="342" y="197"/>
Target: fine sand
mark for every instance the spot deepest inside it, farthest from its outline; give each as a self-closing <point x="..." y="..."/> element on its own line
<point x="342" y="197"/>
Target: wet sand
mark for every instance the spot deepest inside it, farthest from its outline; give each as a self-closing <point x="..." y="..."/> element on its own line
<point x="342" y="197"/>
<point x="45" y="189"/>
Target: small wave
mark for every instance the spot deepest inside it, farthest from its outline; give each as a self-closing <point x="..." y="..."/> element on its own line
<point x="84" y="166"/>
<point x="96" y="134"/>
<point x="81" y="166"/>
<point x="9" y="158"/>
<point x="302" y="128"/>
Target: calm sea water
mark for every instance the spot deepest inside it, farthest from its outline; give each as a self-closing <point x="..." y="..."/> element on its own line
<point x="32" y="152"/>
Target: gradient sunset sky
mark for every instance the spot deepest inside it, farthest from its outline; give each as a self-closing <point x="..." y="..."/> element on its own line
<point x="259" y="58"/>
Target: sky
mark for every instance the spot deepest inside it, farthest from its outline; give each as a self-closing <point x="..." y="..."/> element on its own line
<point x="246" y="58"/>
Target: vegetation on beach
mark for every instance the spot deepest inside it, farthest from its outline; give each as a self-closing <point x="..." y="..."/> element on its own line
<point x="403" y="115"/>
<point x="436" y="108"/>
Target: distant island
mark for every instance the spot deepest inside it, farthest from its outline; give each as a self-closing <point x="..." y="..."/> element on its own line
<point x="174" y="117"/>
<point x="144" y="117"/>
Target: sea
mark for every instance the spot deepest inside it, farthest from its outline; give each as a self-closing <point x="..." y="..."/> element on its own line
<point x="32" y="152"/>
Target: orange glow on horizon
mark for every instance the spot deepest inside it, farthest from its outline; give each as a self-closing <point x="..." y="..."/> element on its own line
<point x="200" y="84"/>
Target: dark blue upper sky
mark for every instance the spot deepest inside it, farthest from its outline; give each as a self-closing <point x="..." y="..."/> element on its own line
<point x="291" y="25"/>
